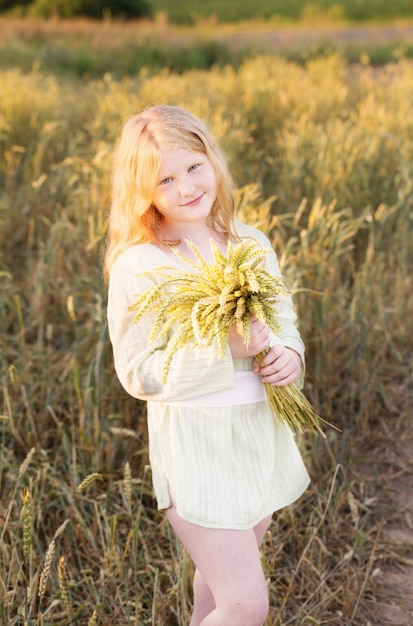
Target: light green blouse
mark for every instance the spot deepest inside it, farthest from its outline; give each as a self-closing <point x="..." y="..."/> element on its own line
<point x="227" y="466"/>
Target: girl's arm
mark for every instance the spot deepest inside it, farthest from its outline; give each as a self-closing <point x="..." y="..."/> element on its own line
<point x="138" y="363"/>
<point x="285" y="362"/>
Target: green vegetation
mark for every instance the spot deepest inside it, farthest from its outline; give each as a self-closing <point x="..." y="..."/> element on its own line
<point x="189" y="11"/>
<point x="90" y="49"/>
<point x="80" y="59"/>
<point x="97" y="9"/>
<point x="323" y="155"/>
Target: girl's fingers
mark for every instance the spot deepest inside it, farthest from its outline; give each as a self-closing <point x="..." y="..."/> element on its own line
<point x="281" y="366"/>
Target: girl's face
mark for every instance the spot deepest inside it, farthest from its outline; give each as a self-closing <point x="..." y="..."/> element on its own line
<point x="186" y="188"/>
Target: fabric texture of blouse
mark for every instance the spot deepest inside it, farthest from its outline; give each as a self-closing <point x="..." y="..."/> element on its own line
<point x="213" y="440"/>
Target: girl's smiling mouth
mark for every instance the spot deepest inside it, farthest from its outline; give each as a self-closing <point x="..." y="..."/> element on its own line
<point x="194" y="201"/>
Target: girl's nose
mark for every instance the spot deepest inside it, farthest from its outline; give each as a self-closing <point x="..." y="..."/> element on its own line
<point x="186" y="186"/>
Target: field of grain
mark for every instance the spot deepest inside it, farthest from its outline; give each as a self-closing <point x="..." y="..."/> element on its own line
<point x="322" y="152"/>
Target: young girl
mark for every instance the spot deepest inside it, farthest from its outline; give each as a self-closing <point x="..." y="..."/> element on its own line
<point x="221" y="463"/>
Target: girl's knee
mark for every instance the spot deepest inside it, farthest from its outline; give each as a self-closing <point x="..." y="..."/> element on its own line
<point x="258" y="608"/>
<point x="250" y="609"/>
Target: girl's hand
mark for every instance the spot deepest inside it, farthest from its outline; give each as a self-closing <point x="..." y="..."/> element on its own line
<point x="281" y="366"/>
<point x="259" y="340"/>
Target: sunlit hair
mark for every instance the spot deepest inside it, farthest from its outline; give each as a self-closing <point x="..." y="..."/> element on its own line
<point x="137" y="161"/>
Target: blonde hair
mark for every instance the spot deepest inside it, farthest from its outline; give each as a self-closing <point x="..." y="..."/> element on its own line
<point x="137" y="161"/>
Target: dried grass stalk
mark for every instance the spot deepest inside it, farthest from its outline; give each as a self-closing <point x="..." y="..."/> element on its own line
<point x="44" y="576"/>
<point x="64" y="583"/>
<point x="88" y="481"/>
<point x="27" y="515"/>
<point x="127" y="483"/>
<point x="24" y="466"/>
<point x="48" y="559"/>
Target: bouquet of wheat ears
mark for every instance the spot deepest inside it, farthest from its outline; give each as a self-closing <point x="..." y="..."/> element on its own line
<point x="203" y="304"/>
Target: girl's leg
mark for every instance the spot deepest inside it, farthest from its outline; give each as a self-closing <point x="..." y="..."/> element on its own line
<point x="230" y="565"/>
<point x="261" y="528"/>
<point x="204" y="602"/>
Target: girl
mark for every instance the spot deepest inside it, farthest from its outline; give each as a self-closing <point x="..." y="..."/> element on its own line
<point x="221" y="464"/>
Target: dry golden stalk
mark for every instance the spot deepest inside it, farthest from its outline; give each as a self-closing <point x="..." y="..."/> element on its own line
<point x="88" y="481"/>
<point x="204" y="304"/>
<point x="354" y="510"/>
<point x="127" y="433"/>
<point x="48" y="561"/>
<point x="93" y="619"/>
<point x="27" y="515"/>
<point x="44" y="576"/>
<point x="64" y="583"/>
<point x="127" y="483"/>
<point x="26" y="462"/>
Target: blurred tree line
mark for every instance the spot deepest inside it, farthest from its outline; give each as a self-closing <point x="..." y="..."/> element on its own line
<point x="75" y="8"/>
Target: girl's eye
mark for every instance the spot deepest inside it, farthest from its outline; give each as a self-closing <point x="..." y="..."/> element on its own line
<point x="194" y="167"/>
<point x="165" y="181"/>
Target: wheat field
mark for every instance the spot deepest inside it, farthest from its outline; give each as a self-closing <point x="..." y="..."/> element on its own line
<point x="322" y="153"/>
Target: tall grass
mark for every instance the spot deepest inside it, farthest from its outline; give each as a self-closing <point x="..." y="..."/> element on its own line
<point x="322" y="154"/>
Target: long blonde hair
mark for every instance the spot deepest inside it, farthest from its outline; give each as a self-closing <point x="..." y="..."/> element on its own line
<point x="137" y="160"/>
